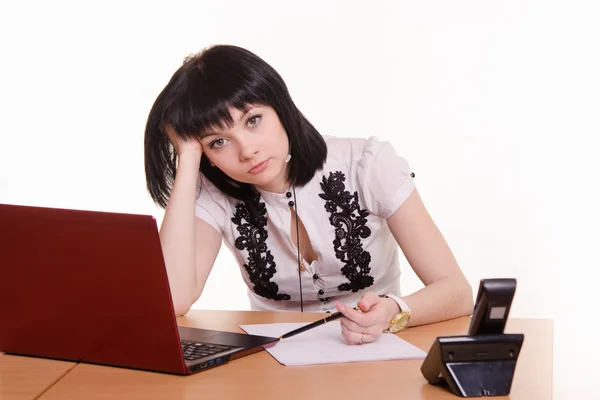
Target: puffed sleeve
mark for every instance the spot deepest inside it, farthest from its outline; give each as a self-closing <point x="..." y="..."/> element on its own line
<point x="384" y="178"/>
<point x="210" y="206"/>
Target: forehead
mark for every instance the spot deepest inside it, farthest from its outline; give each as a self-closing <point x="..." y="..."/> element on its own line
<point x="236" y="114"/>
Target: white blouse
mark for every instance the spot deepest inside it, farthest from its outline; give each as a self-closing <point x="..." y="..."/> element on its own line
<point x="344" y="210"/>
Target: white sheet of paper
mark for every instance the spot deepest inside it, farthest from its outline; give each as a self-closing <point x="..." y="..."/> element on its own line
<point x="325" y="345"/>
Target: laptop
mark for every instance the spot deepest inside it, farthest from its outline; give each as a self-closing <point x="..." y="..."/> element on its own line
<point x="91" y="287"/>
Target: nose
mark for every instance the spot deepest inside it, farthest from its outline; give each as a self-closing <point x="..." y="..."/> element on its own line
<point x="248" y="148"/>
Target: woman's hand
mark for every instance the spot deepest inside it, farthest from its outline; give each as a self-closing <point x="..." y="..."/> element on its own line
<point x="366" y="325"/>
<point x="182" y="146"/>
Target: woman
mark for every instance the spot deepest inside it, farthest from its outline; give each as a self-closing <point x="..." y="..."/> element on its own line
<point x="314" y="221"/>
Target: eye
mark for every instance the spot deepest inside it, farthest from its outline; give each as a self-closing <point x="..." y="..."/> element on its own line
<point x="218" y="143"/>
<point x="255" y="120"/>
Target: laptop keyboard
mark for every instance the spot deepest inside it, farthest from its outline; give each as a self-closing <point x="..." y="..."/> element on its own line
<point x="195" y="350"/>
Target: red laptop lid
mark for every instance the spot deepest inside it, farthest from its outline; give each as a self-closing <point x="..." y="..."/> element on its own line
<point x="86" y="286"/>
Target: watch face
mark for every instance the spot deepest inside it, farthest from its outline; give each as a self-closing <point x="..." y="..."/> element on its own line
<point x="400" y="323"/>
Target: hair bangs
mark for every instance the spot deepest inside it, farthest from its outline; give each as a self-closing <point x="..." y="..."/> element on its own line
<point x="207" y="100"/>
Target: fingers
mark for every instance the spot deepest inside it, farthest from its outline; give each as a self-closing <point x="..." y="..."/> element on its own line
<point x="365" y="324"/>
<point x="353" y="337"/>
<point x="353" y="326"/>
<point x="367" y="301"/>
<point x="171" y="135"/>
<point x="182" y="145"/>
<point x="364" y="319"/>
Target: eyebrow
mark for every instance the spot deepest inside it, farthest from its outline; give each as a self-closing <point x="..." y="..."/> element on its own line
<point x="209" y="133"/>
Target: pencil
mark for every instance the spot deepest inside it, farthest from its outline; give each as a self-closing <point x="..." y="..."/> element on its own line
<point x="305" y="328"/>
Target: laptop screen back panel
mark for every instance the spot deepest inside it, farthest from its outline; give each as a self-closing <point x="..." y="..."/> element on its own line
<point x="86" y="286"/>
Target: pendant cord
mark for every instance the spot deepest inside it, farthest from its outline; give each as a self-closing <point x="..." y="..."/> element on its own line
<point x="298" y="248"/>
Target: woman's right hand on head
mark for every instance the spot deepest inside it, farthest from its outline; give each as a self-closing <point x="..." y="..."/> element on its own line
<point x="183" y="147"/>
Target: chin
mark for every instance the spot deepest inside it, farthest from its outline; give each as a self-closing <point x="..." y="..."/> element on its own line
<point x="265" y="179"/>
<point x="262" y="181"/>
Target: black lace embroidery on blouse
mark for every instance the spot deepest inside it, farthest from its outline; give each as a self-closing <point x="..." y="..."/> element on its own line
<point x="350" y="226"/>
<point x="260" y="266"/>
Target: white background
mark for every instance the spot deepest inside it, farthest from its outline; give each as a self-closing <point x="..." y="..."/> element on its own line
<point x="494" y="104"/>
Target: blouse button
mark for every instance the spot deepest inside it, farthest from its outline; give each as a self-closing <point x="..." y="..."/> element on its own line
<point x="316" y="276"/>
<point x="321" y="292"/>
<point x="288" y="195"/>
<point x="291" y="204"/>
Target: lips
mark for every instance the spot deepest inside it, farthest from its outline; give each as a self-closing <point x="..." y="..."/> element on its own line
<point x="259" y="167"/>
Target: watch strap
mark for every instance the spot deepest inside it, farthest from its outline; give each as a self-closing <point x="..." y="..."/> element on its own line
<point x="401" y="303"/>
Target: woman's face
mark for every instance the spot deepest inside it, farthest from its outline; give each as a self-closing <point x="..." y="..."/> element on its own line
<point x="253" y="150"/>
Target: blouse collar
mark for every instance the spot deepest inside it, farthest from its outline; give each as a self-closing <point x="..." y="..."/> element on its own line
<point x="278" y="199"/>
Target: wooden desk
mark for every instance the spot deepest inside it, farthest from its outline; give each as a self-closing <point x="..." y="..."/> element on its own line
<point x="260" y="376"/>
<point x="29" y="377"/>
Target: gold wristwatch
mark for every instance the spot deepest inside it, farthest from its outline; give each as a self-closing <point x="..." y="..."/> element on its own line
<point x="401" y="319"/>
